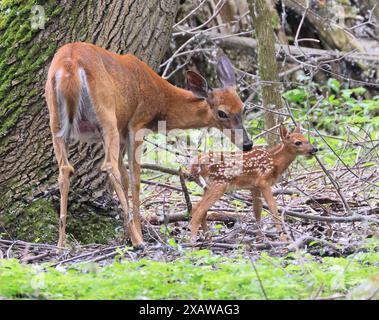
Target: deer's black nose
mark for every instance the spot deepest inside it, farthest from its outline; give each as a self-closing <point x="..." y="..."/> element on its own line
<point x="247" y="146"/>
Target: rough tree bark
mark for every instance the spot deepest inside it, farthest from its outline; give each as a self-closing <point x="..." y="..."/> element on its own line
<point x="28" y="171"/>
<point x="267" y="66"/>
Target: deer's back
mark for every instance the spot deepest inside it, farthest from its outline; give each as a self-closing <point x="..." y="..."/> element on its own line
<point x="123" y="82"/>
<point x="124" y="75"/>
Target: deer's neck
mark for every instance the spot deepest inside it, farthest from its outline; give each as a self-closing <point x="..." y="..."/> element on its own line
<point x="185" y="111"/>
<point x="283" y="157"/>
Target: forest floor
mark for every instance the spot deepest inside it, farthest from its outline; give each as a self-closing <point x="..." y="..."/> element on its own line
<point x="318" y="216"/>
<point x="332" y="252"/>
<point x="314" y="218"/>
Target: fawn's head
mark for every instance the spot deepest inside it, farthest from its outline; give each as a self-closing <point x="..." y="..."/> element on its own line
<point x="224" y="102"/>
<point x="296" y="142"/>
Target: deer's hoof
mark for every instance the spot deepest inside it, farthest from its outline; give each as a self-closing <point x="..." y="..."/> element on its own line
<point x="139" y="247"/>
<point x="61" y="244"/>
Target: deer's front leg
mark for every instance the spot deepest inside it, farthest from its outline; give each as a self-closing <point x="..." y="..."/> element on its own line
<point x="134" y="142"/>
<point x="111" y="166"/>
<point x="123" y="170"/>
<point x="269" y="197"/>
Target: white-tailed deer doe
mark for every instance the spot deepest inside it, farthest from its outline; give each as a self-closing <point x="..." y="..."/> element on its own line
<point x="256" y="170"/>
<point x="97" y="95"/>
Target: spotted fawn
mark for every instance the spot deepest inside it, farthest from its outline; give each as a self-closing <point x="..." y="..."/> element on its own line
<point x="256" y="170"/>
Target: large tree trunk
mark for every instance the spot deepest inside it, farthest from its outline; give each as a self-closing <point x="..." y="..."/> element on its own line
<point x="267" y="66"/>
<point x="28" y="171"/>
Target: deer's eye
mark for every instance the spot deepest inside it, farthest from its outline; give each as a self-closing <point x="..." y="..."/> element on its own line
<point x="222" y="114"/>
<point x="298" y="143"/>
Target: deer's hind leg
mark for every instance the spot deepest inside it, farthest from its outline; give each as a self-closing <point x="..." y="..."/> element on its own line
<point x="199" y="215"/>
<point x="65" y="168"/>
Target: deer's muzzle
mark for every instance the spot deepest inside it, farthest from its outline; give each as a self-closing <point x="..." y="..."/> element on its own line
<point x="246" y="144"/>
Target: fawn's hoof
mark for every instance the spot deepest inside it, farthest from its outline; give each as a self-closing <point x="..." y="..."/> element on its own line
<point x="260" y="238"/>
<point x="193" y="240"/>
<point x="283" y="237"/>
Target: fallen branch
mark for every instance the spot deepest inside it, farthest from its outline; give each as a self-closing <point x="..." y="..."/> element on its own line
<point x="335" y="185"/>
<point x="184" y="216"/>
<point x="355" y="217"/>
<point x="335" y="35"/>
<point x="302" y="241"/>
<point x="234" y="216"/>
<point x="227" y="41"/>
<point x="256" y="246"/>
<point x="349" y="219"/>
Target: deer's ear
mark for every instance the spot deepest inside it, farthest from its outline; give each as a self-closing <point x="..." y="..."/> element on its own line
<point x="283" y="132"/>
<point x="197" y="84"/>
<point x="225" y="72"/>
<point x="298" y="128"/>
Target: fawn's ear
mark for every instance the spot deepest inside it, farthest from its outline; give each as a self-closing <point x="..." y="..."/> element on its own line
<point x="298" y="128"/>
<point x="283" y="132"/>
<point x="197" y="84"/>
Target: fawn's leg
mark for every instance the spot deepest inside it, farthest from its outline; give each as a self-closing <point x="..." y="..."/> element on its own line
<point x="257" y="209"/>
<point x="211" y="195"/>
<point x="204" y="226"/>
<point x="269" y="197"/>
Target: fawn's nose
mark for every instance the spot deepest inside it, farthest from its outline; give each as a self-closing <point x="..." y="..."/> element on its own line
<point x="314" y="150"/>
<point x="247" y="146"/>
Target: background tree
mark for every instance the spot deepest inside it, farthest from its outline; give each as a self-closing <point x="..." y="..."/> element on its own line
<point x="268" y="69"/>
<point x="29" y="36"/>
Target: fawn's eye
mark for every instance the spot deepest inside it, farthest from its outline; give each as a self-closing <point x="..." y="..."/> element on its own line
<point x="222" y="114"/>
<point x="298" y="143"/>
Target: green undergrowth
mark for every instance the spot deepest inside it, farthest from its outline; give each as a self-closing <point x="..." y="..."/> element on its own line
<point x="339" y="118"/>
<point x="198" y="275"/>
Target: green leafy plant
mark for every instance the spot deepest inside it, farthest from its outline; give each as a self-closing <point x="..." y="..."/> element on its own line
<point x="196" y="275"/>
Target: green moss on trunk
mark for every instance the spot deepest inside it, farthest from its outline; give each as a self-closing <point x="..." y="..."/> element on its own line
<point x="38" y="222"/>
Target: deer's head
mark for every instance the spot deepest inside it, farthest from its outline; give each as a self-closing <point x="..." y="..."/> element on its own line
<point x="224" y="102"/>
<point x="296" y="142"/>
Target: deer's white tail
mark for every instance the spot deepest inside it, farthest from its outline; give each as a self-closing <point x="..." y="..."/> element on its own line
<point x="71" y="88"/>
